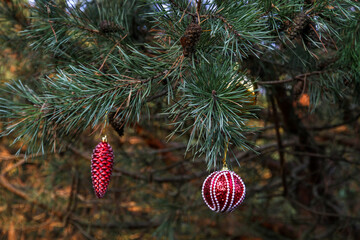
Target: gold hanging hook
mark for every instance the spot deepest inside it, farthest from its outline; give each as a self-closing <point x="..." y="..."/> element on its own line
<point x="225" y="167"/>
<point x="103" y="130"/>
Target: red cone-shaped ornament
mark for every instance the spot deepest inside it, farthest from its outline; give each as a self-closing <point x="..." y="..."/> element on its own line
<point x="223" y="191"/>
<point x="102" y="162"/>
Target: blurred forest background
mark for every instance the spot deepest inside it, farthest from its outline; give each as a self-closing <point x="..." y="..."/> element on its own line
<point x="302" y="179"/>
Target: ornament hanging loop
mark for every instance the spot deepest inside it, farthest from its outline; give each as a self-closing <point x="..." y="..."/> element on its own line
<point x="225" y="167"/>
<point x="103" y="129"/>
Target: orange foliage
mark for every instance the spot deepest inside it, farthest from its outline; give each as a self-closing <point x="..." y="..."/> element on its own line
<point x="304" y="100"/>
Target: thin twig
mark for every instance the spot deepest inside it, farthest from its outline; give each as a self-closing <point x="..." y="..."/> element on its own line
<point x="8" y="169"/>
<point x="280" y="146"/>
<point x="229" y="26"/>
<point x="48" y="12"/>
<point x="72" y="198"/>
<point x="112" y="49"/>
<point x="322" y="156"/>
<point x="318" y="37"/>
<point x="178" y="178"/>
<point x="298" y="77"/>
<point x="53" y="31"/>
<point x="182" y="16"/>
<point x="181" y="9"/>
<point x="321" y="213"/>
<point x="117" y="225"/>
<point x="198" y="10"/>
<point x="275" y="82"/>
<point x="262" y="149"/>
<point x="21" y="156"/>
<point x="5" y="183"/>
<point x="160" y="94"/>
<point x="83" y="28"/>
<point x="155" y="77"/>
<point x="84" y="233"/>
<point x="326" y="127"/>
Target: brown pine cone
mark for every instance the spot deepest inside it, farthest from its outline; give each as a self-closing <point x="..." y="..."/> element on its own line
<point x="190" y="38"/>
<point x="108" y="27"/>
<point x="298" y="25"/>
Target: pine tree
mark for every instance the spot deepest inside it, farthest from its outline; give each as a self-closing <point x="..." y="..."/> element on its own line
<point x="268" y="88"/>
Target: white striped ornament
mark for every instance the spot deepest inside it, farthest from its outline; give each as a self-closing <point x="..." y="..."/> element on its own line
<point x="223" y="191"/>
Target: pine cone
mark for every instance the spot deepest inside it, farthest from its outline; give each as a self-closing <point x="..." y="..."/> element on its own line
<point x="190" y="38"/>
<point x="116" y="124"/>
<point x="298" y="25"/>
<point x="108" y="27"/>
<point x="102" y="162"/>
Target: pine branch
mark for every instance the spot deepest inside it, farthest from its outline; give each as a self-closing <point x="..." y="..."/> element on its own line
<point x="253" y="29"/>
<point x="73" y="33"/>
<point x="218" y="105"/>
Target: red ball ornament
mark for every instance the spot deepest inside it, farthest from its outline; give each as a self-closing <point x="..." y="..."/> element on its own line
<point x="223" y="191"/>
<point x="102" y="162"/>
